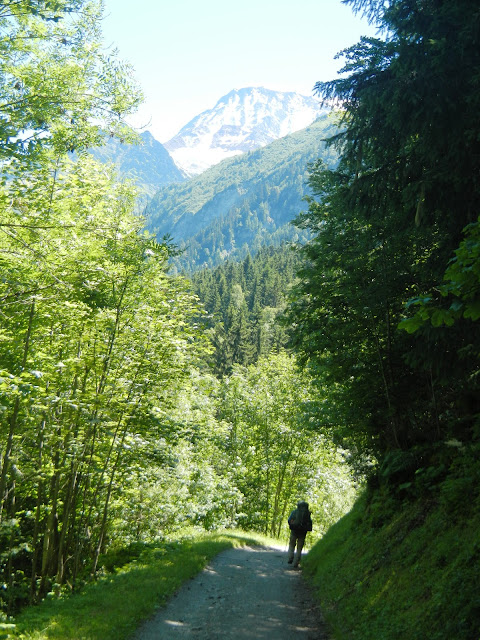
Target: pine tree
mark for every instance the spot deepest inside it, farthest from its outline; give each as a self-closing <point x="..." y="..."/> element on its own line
<point x="387" y="221"/>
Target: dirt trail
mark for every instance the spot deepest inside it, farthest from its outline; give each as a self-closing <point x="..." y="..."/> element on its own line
<point x="250" y="593"/>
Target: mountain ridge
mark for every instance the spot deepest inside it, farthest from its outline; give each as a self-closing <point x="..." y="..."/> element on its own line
<point x="241" y="121"/>
<point x="148" y="164"/>
<point x="243" y="203"/>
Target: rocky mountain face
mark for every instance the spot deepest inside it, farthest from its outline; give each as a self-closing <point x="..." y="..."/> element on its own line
<point x="242" y="203"/>
<point x="241" y="121"/>
<point x="254" y="189"/>
<point x="149" y="164"/>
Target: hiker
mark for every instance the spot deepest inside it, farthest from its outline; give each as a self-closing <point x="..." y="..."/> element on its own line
<point x="300" y="522"/>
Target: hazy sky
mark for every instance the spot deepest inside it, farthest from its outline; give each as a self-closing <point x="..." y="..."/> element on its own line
<point x="189" y="53"/>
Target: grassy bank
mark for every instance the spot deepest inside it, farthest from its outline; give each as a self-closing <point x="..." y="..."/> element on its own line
<point x="114" y="606"/>
<point x="404" y="567"/>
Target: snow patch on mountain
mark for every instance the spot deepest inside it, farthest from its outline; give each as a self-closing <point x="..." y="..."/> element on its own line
<point x="241" y="121"/>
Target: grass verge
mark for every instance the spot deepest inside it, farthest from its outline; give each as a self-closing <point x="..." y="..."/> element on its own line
<point x="402" y="570"/>
<point x="114" y="606"/>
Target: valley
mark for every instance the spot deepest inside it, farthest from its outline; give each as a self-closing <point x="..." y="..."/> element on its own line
<point x="281" y="306"/>
<point x="233" y="205"/>
<point x="243" y="203"/>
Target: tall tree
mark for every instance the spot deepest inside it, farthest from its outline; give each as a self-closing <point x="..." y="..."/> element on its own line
<point x="387" y="221"/>
<point x="58" y="87"/>
<point x="274" y="458"/>
<point x="95" y="336"/>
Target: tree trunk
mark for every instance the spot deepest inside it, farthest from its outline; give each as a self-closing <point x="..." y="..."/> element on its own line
<point x="14" y="417"/>
<point x="103" y="526"/>
<point x="51" y="532"/>
<point x="67" y="508"/>
<point x="36" y="530"/>
<point x="278" y="492"/>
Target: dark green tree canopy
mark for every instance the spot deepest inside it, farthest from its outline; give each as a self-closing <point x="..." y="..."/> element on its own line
<point x="387" y="222"/>
<point x="412" y="109"/>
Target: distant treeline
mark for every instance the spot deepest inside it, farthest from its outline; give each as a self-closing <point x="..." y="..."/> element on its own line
<point x="244" y="300"/>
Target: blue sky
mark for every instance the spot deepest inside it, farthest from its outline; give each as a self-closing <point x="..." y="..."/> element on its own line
<point x="189" y="53"/>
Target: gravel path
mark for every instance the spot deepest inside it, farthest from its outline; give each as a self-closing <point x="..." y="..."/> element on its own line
<point x="250" y="593"/>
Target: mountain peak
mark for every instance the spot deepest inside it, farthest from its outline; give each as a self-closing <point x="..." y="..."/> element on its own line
<point x="251" y="91"/>
<point x="242" y="120"/>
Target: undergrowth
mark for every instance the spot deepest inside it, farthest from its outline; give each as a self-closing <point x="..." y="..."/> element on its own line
<point x="404" y="565"/>
<point x="136" y="581"/>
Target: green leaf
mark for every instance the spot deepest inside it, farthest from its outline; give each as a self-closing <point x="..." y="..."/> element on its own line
<point x="472" y="310"/>
<point x="410" y="325"/>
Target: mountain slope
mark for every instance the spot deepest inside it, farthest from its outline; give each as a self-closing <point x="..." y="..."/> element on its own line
<point x="405" y="567"/>
<point x="149" y="164"/>
<point x="244" y="202"/>
<point x="241" y="121"/>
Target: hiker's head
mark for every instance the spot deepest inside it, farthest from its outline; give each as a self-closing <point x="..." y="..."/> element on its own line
<point x="302" y="504"/>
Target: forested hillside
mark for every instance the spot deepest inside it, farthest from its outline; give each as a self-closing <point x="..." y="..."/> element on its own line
<point x="385" y="316"/>
<point x="242" y="203"/>
<point x="244" y="301"/>
<point x="135" y="403"/>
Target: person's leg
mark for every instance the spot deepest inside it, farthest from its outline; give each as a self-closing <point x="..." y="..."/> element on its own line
<point x="298" y="554"/>
<point x="291" y="546"/>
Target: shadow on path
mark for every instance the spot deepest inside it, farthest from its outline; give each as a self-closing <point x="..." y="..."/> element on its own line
<point x="249" y="593"/>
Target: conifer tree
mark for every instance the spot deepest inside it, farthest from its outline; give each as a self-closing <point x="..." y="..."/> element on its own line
<point x="387" y="221"/>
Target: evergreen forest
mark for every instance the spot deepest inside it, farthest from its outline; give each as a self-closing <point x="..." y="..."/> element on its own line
<point x="243" y="203"/>
<point x="341" y="367"/>
<point x="244" y="301"/>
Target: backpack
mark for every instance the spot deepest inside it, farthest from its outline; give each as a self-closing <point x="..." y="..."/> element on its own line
<point x="300" y="520"/>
